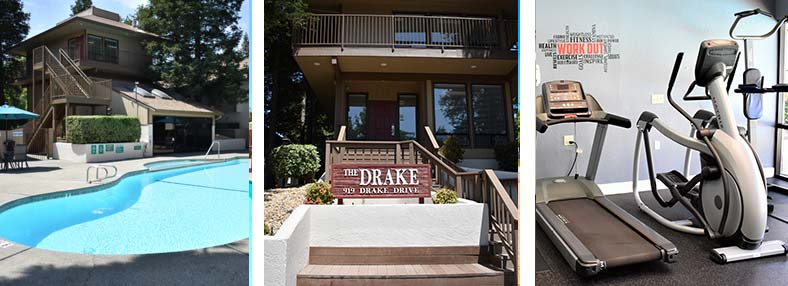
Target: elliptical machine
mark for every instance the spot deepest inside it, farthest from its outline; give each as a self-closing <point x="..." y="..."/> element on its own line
<point x="727" y="199"/>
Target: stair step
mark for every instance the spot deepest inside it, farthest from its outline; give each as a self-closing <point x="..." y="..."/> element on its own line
<point x="401" y="274"/>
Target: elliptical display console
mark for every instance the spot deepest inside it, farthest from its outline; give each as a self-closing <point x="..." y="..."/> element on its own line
<point x="565" y="99"/>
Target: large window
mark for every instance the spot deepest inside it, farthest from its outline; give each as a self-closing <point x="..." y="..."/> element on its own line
<point x="451" y="112"/>
<point x="489" y="115"/>
<point x="781" y="144"/>
<point x="356" y="116"/>
<point x="103" y="49"/>
<point x="407" y="116"/>
<point x="75" y="47"/>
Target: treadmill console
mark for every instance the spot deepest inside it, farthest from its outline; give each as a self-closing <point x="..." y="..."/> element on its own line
<point x="565" y="99"/>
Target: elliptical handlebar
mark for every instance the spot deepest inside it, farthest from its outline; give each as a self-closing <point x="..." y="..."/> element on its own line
<point x="753" y="12"/>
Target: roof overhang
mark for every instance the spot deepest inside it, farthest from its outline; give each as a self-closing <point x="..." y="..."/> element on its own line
<point x="71" y="26"/>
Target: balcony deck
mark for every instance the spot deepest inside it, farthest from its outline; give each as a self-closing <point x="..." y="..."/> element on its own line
<point x="406" y="35"/>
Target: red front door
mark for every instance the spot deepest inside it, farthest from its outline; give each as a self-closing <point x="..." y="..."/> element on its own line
<point x="382" y="116"/>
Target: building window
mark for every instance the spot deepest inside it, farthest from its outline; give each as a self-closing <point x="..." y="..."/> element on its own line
<point x="103" y="49"/>
<point x="407" y="116"/>
<point x="356" y="117"/>
<point x="75" y="48"/>
<point x="451" y="112"/>
<point x="489" y="115"/>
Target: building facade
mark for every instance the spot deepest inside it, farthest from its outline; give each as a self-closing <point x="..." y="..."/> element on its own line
<point x="93" y="64"/>
<point x="387" y="69"/>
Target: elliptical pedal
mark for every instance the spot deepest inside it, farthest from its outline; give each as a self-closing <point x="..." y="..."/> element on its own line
<point x="672" y="179"/>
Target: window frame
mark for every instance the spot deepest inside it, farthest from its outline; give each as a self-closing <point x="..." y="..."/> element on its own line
<point x="467" y="114"/>
<point x="505" y="132"/>
<point x="416" y="120"/>
<point x="366" y="108"/>
<point x="101" y="54"/>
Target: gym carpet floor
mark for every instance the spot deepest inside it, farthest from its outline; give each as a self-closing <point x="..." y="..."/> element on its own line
<point x="693" y="266"/>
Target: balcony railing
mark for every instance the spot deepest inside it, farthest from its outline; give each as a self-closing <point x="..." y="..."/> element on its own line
<point x="405" y="31"/>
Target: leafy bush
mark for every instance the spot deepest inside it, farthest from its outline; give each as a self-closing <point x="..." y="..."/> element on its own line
<point x="295" y="160"/>
<point x="507" y="156"/>
<point x="267" y="229"/>
<point x="451" y="150"/>
<point x="102" y="129"/>
<point x="319" y="194"/>
<point x="445" y="196"/>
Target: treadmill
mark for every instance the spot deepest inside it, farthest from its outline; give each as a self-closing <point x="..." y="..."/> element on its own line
<point x="591" y="232"/>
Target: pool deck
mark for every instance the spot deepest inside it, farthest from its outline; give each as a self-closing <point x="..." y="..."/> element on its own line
<point x="22" y="265"/>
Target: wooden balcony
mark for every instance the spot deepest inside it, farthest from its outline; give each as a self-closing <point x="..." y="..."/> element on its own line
<point x="406" y="32"/>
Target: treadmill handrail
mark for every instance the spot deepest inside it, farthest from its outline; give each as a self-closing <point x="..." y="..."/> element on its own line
<point x="605" y="118"/>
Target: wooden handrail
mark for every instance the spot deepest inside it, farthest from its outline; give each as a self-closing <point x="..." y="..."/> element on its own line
<point x="342" y="133"/>
<point x="431" y="136"/>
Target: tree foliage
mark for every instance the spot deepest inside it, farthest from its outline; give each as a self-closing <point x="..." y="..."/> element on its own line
<point x="14" y="23"/>
<point x="80" y="5"/>
<point x="198" y="54"/>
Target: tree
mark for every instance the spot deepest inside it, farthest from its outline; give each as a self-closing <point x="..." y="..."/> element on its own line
<point x="197" y="54"/>
<point x="15" y="28"/>
<point x="80" y="5"/>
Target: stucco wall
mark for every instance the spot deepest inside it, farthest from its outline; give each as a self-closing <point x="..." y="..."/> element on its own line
<point x="82" y="153"/>
<point x="650" y="34"/>
<point x="287" y="252"/>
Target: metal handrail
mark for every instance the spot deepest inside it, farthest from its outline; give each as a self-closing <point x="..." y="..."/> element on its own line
<point x="218" y="151"/>
<point x="97" y="168"/>
<point x="410" y="31"/>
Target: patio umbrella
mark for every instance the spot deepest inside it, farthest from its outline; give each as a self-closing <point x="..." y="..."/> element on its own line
<point x="12" y="116"/>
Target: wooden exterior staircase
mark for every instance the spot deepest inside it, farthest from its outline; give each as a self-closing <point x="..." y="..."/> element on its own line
<point x="62" y="81"/>
<point x="482" y="187"/>
<point x="399" y="266"/>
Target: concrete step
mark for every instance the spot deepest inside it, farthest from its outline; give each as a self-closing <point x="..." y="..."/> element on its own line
<point x="400" y="274"/>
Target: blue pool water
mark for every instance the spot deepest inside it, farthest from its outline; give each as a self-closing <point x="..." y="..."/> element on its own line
<point x="151" y="212"/>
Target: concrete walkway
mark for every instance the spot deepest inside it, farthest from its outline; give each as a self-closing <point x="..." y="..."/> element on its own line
<point x="22" y="265"/>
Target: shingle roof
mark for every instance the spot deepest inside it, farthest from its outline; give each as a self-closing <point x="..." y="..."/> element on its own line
<point x="159" y="104"/>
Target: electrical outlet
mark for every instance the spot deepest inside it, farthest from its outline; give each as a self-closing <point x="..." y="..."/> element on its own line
<point x="657" y="98"/>
<point x="657" y="145"/>
<point x="568" y="140"/>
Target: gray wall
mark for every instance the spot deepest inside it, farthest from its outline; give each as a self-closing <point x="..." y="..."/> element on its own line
<point x="650" y="34"/>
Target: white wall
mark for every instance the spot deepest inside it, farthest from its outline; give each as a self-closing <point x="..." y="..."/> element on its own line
<point x="650" y="34"/>
<point x="287" y="252"/>
<point x="82" y="153"/>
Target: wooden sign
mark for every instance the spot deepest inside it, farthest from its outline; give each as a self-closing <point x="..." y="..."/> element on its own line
<point x="353" y="181"/>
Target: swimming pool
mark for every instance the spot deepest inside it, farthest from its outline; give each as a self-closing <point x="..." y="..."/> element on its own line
<point x="143" y="212"/>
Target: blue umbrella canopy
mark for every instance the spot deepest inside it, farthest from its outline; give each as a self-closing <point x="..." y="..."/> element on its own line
<point x="8" y="112"/>
<point x="12" y="116"/>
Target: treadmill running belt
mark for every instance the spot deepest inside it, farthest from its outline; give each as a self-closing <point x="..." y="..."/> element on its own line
<point x="607" y="237"/>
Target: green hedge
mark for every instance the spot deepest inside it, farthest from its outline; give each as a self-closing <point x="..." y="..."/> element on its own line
<point x="295" y="160"/>
<point x="102" y="129"/>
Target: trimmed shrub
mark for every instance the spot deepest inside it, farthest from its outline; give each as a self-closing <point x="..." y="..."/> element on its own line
<point x="295" y="160"/>
<point x="451" y="150"/>
<point x="102" y="129"/>
<point x="507" y="156"/>
<point x="445" y="196"/>
<point x="319" y="194"/>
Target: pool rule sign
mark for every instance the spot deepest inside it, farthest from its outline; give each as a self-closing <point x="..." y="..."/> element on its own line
<point x="368" y="181"/>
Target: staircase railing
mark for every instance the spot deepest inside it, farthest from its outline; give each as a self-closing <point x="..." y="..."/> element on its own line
<point x="59" y="72"/>
<point x="81" y="78"/>
<point x="504" y="215"/>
